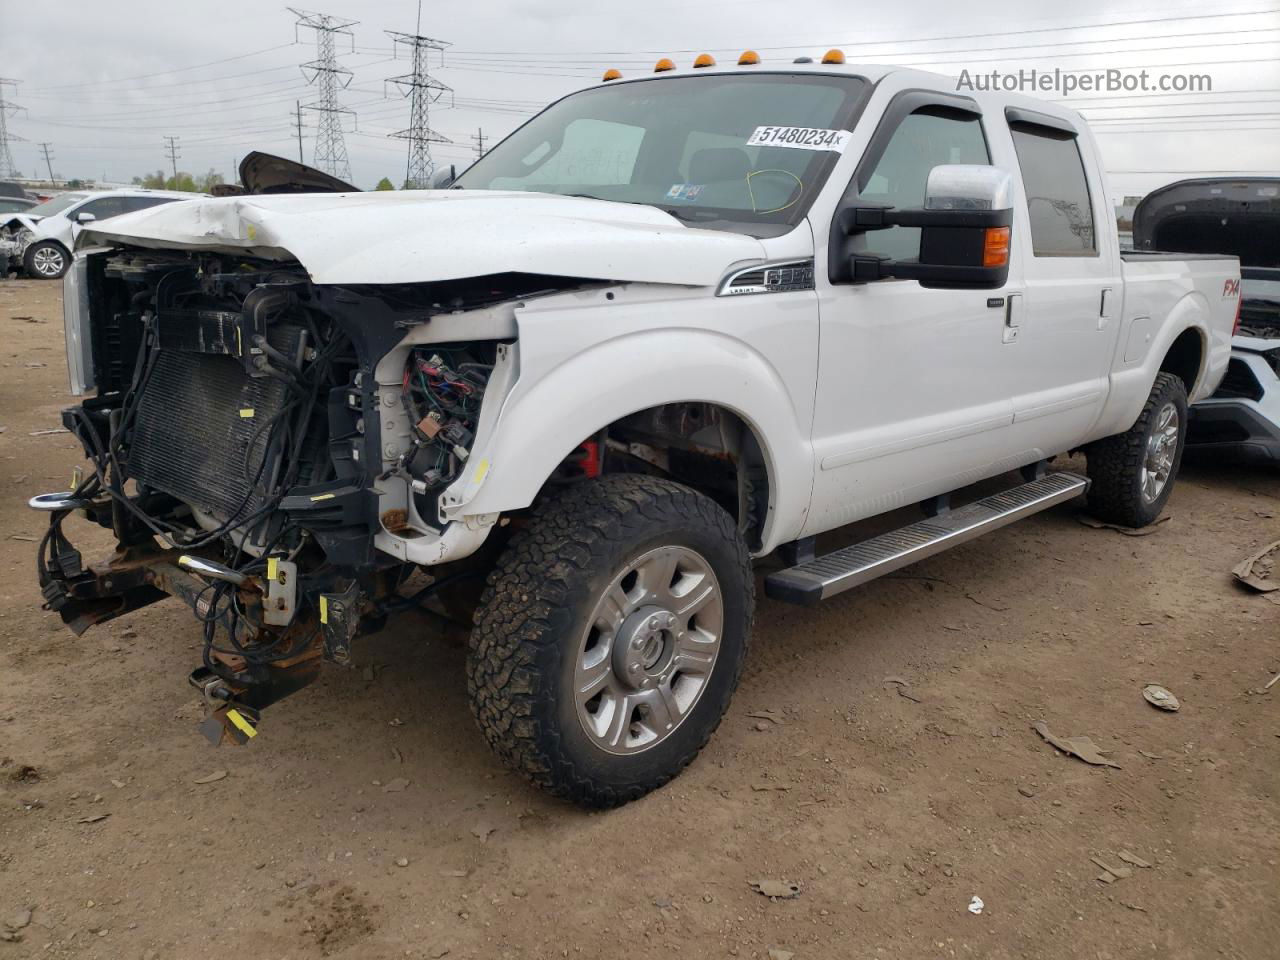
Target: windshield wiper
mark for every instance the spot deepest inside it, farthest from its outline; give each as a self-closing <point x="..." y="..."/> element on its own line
<point x="687" y="214"/>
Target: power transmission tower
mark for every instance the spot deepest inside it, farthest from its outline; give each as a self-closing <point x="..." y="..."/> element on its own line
<point x="324" y="73"/>
<point x="422" y="90"/>
<point x="7" y="169"/>
<point x="478" y="138"/>
<point x="48" y="161"/>
<point x="297" y="125"/>
<point x="171" y="151"/>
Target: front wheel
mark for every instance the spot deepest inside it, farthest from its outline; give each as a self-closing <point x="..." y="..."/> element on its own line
<point x="46" y="260"/>
<point x="1133" y="472"/>
<point x="610" y="638"/>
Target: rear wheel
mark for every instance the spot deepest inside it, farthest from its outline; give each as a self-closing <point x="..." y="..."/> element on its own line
<point x="1133" y="472"/>
<point x="47" y="260"/>
<point x="611" y="637"/>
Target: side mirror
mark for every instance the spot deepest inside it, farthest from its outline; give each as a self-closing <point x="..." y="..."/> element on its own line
<point x="85" y="218"/>
<point x="444" y="177"/>
<point x="965" y="226"/>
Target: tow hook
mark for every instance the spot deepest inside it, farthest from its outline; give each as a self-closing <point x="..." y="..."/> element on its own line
<point x="229" y="721"/>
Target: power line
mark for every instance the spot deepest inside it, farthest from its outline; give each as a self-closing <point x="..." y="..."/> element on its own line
<point x="422" y="90"/>
<point x="478" y="138"/>
<point x="1199" y="42"/>
<point x="171" y="151"/>
<point x="864" y="43"/>
<point x="163" y="73"/>
<point x="331" y="147"/>
<point x="7" y="168"/>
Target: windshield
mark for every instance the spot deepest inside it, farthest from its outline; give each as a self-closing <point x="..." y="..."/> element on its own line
<point x="57" y="204"/>
<point x="718" y="150"/>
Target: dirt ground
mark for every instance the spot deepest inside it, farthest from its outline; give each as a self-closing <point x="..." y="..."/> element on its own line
<point x="368" y="820"/>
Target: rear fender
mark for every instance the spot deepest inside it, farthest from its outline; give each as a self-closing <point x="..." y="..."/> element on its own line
<point x="1131" y="382"/>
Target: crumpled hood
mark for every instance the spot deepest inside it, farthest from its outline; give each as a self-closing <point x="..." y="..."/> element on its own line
<point x="417" y="236"/>
<point x="19" y="220"/>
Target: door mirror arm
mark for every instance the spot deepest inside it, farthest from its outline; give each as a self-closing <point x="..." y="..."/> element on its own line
<point x="965" y="228"/>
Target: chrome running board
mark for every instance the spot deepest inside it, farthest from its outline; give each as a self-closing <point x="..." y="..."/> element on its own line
<point x="825" y="576"/>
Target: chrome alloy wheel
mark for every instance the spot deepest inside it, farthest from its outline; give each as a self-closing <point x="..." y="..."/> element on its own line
<point x="1162" y="447"/>
<point x="648" y="650"/>
<point x="48" y="261"/>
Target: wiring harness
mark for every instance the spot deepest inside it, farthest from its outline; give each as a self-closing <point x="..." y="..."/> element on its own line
<point x="441" y="392"/>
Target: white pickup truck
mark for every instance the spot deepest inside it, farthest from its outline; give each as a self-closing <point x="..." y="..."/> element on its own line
<point x="672" y="323"/>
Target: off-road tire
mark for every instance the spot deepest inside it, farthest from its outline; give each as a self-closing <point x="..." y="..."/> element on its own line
<point x="1115" y="463"/>
<point x="523" y="649"/>
<point x="31" y="253"/>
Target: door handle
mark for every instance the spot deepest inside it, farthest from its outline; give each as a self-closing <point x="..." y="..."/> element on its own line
<point x="1012" y="318"/>
<point x="1104" y="308"/>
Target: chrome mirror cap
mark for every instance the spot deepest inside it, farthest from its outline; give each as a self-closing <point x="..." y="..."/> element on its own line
<point x="965" y="186"/>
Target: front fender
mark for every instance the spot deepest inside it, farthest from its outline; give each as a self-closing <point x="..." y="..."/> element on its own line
<point x="550" y="413"/>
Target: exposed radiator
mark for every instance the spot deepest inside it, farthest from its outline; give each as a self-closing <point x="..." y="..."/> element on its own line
<point x="196" y="418"/>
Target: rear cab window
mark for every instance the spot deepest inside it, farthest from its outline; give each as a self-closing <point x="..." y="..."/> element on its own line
<point x="1059" y="204"/>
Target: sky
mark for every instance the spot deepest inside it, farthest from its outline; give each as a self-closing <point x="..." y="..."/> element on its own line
<point x="104" y="82"/>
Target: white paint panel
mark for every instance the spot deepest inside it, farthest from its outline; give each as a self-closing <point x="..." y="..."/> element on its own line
<point x="416" y="236"/>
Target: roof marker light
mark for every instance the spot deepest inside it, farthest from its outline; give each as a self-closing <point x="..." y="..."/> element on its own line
<point x="612" y="75"/>
<point x="663" y="65"/>
<point x="749" y="58"/>
<point x="803" y="60"/>
<point x="704" y="60"/>
<point x="834" y="56"/>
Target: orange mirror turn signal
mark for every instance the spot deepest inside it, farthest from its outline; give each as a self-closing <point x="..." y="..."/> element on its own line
<point x="663" y="65"/>
<point x="995" y="247"/>
<point x="749" y="58"/>
<point x="705" y="60"/>
<point x="612" y="75"/>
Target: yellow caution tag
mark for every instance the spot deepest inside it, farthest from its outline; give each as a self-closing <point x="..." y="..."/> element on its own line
<point x="246" y="412"/>
<point x="324" y="609"/>
<point x="77" y="475"/>
<point x="323" y="496"/>
<point x="482" y="471"/>
<point x="241" y="724"/>
<point x="273" y="568"/>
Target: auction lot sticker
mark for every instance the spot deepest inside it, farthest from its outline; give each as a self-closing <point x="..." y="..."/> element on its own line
<point x="799" y="138"/>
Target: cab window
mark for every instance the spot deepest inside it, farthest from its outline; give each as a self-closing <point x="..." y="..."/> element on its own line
<point x="925" y="139"/>
<point x="1057" y="192"/>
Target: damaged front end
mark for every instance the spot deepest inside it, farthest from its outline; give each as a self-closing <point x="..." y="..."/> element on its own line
<point x="270" y="451"/>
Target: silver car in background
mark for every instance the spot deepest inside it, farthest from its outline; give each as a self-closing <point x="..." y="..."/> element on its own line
<point x="41" y="239"/>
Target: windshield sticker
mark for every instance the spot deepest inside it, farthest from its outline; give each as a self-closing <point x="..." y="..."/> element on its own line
<point x="799" y="138"/>
<point x="684" y="191"/>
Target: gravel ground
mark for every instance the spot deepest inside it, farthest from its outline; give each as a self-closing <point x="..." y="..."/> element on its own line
<point x="368" y="820"/>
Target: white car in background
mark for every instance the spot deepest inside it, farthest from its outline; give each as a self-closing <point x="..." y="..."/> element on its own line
<point x="44" y="236"/>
